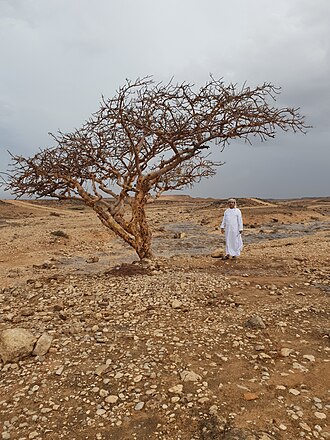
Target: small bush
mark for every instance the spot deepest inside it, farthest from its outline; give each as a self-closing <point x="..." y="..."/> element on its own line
<point x="60" y="234"/>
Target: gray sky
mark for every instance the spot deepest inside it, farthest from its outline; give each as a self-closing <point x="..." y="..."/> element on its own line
<point x="58" y="56"/>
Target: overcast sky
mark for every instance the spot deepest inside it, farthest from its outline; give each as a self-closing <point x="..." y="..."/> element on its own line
<point x="58" y="56"/>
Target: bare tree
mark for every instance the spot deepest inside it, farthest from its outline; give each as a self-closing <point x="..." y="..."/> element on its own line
<point x="151" y="137"/>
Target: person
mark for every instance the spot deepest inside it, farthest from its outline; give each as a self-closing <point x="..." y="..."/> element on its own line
<point x="232" y="226"/>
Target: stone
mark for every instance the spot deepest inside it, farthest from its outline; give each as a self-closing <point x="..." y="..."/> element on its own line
<point x="285" y="352"/>
<point x="111" y="399"/>
<point x="59" y="371"/>
<point x="250" y="396"/>
<point x="217" y="253"/>
<point x="255" y="322"/>
<point x="190" y="376"/>
<point x="139" y="406"/>
<point x="305" y="427"/>
<point x="213" y="410"/>
<point x="309" y="357"/>
<point x="15" y="344"/>
<point x="43" y="345"/>
<point x="177" y="389"/>
<point x="320" y="415"/>
<point x="294" y="391"/>
<point x="176" y="304"/>
<point x="101" y="369"/>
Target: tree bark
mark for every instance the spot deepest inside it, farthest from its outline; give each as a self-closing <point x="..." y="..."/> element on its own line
<point x="139" y="224"/>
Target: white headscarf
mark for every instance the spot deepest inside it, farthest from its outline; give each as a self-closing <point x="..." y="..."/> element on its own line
<point x="232" y="200"/>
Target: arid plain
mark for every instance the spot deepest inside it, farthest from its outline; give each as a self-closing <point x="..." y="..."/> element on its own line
<point x="188" y="346"/>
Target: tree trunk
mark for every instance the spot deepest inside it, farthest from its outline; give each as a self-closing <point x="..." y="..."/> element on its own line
<point x="139" y="224"/>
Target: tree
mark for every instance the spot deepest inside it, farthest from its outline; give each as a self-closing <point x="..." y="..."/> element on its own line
<point x="149" y="138"/>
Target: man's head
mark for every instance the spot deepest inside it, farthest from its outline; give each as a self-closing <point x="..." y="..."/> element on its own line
<point x="232" y="203"/>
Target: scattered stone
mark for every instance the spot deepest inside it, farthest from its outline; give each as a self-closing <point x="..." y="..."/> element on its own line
<point x="92" y="260"/>
<point x="294" y="391"/>
<point x="320" y="415"/>
<point x="255" y="322"/>
<point x="217" y="253"/>
<point x="111" y="399"/>
<point x="59" y="371"/>
<point x="15" y="344"/>
<point x="305" y="427"/>
<point x="285" y="352"/>
<point x="309" y="357"/>
<point x="190" y="376"/>
<point x="43" y="345"/>
<point x="101" y="369"/>
<point x="176" y="304"/>
<point x="250" y="396"/>
<point x="177" y="389"/>
<point x="139" y="406"/>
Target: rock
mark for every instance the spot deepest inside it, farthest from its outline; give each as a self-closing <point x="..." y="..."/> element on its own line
<point x="255" y="322"/>
<point x="177" y="389"/>
<point x="15" y="344"/>
<point x="285" y="352"/>
<point x="179" y="235"/>
<point x="92" y="260"/>
<point x="190" y="376"/>
<point x="59" y="371"/>
<point x="309" y="357"/>
<point x="320" y="415"/>
<point x="294" y="391"/>
<point x="103" y="393"/>
<point x="213" y="410"/>
<point x="265" y="436"/>
<point x="43" y="345"/>
<point x="139" y="406"/>
<point x="176" y="304"/>
<point x="111" y="399"/>
<point x="250" y="396"/>
<point x="305" y="427"/>
<point x="217" y="253"/>
<point x="101" y="369"/>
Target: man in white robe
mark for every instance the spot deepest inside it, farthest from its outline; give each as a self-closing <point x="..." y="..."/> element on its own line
<point x="232" y="226"/>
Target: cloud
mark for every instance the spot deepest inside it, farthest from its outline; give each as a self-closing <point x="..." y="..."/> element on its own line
<point x="58" y="57"/>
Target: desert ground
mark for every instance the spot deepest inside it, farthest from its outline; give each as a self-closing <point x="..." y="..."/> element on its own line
<point x="187" y="346"/>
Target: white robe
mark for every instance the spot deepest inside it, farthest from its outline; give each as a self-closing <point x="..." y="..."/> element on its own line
<point x="232" y="223"/>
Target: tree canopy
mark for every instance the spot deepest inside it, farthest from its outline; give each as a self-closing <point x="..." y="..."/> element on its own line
<point x="149" y="138"/>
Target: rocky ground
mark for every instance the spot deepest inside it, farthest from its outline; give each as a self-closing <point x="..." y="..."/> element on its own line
<point x="188" y="346"/>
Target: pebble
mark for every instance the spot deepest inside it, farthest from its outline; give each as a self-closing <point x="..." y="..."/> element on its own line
<point x="176" y="304"/>
<point x="177" y="389"/>
<point x="294" y="391"/>
<point x="190" y="376"/>
<point x="309" y="357"/>
<point x="285" y="352"/>
<point x="111" y="399"/>
<point x="139" y="406"/>
<point x="320" y="415"/>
